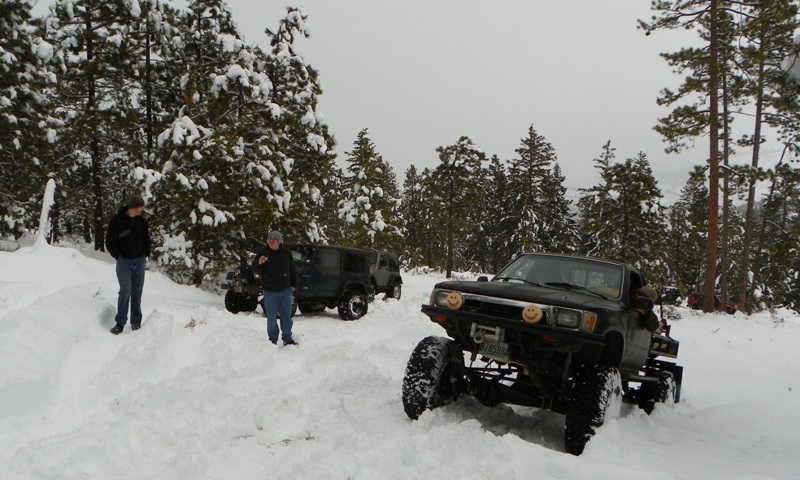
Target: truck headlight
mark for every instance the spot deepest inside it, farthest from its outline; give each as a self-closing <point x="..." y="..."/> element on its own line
<point x="567" y="318"/>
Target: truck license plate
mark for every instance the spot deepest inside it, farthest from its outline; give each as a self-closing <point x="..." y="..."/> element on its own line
<point x="495" y="350"/>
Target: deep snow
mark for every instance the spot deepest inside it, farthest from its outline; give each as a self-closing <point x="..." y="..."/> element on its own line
<point x="200" y="393"/>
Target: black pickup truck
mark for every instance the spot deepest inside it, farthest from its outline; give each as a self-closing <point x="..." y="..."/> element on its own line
<point x="556" y="332"/>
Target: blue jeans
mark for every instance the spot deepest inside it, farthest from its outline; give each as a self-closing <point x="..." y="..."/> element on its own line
<point x="130" y="274"/>
<point x="275" y="303"/>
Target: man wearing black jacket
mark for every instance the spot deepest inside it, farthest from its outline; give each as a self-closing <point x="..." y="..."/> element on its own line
<point x="128" y="241"/>
<point x="279" y="278"/>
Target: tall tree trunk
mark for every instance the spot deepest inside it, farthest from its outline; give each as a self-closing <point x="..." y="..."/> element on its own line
<point x="744" y="298"/>
<point x="723" y="241"/>
<point x="94" y="149"/>
<point x="713" y="160"/>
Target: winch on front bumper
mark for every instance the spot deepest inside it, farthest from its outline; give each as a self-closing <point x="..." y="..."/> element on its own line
<point x="506" y="340"/>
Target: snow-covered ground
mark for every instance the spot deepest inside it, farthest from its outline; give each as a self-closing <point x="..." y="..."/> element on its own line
<point x="199" y="393"/>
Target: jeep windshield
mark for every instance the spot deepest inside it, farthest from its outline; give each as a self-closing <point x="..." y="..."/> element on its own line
<point x="568" y="273"/>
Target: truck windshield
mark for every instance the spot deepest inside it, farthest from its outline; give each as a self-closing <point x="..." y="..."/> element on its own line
<point x="551" y="270"/>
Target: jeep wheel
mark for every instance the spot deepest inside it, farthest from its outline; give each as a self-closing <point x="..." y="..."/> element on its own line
<point x="353" y="305"/>
<point x="397" y="290"/>
<point x="430" y="380"/>
<point x="231" y="302"/>
<point x="663" y="391"/>
<point x="595" y="397"/>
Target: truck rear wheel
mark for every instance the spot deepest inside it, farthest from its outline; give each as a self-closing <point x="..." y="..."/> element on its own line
<point x="664" y="391"/>
<point x="595" y="398"/>
<point x="431" y="378"/>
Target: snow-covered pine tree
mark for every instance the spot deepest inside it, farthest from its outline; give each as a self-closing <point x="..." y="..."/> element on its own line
<point x="371" y="204"/>
<point x="536" y="190"/>
<point x="559" y="231"/>
<point x="498" y="219"/>
<point x="92" y="53"/>
<point x="215" y="191"/>
<point x="300" y="144"/>
<point x="26" y="131"/>
<point x="623" y="216"/>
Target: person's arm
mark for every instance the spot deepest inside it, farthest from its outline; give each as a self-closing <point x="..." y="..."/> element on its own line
<point x="292" y="271"/>
<point x="111" y="237"/>
<point x="147" y="241"/>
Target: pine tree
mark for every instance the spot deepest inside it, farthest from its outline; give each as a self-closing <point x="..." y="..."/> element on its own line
<point x="499" y="224"/>
<point x="413" y="208"/>
<point x="301" y="143"/>
<point x="537" y="192"/>
<point x="686" y="237"/>
<point x="526" y="188"/>
<point x="627" y="209"/>
<point x="455" y="194"/>
<point x="371" y="199"/>
<point x="705" y="67"/>
<point x="92" y="51"/>
<point x="26" y="131"/>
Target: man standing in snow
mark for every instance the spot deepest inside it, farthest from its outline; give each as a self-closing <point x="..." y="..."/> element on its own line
<point x="278" y="278"/>
<point x="128" y="241"/>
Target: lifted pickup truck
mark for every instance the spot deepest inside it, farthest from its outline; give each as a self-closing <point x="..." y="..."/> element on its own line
<point x="557" y="332"/>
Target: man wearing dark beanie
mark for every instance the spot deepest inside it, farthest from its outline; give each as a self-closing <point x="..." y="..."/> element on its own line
<point x="128" y="241"/>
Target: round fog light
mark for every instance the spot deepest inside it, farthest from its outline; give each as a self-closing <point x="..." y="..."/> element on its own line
<point x="532" y="314"/>
<point x="454" y="301"/>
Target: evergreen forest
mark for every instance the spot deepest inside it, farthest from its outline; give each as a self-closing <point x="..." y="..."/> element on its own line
<point x="225" y="142"/>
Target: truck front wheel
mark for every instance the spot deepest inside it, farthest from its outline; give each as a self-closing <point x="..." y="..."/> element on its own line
<point x="431" y="378"/>
<point x="595" y="397"/>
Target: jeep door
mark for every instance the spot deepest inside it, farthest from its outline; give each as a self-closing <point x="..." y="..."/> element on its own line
<point x="319" y="278"/>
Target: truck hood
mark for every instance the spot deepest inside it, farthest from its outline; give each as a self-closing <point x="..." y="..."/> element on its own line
<point x="534" y="294"/>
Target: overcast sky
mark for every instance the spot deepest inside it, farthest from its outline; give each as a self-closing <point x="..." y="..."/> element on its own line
<point x="420" y="74"/>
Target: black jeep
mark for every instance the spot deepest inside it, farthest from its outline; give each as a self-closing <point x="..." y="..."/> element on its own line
<point x="557" y="332"/>
<point x="384" y="275"/>
<point x="327" y="277"/>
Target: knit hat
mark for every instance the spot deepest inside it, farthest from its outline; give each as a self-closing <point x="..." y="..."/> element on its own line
<point x="649" y="292"/>
<point x="135" y="201"/>
<point x="276" y="235"/>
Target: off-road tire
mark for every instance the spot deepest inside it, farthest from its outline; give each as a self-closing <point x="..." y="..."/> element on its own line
<point x="231" y="302"/>
<point x="396" y="291"/>
<point x="353" y="305"/>
<point x="595" y="397"/>
<point x="432" y="379"/>
<point x="664" y="391"/>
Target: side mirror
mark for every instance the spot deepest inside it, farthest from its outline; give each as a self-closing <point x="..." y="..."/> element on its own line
<point x="483" y="278"/>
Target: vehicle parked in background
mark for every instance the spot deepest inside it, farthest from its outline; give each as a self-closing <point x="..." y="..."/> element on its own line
<point x="384" y="274"/>
<point x="331" y="277"/>
<point x="327" y="277"/>
<point x="695" y="302"/>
